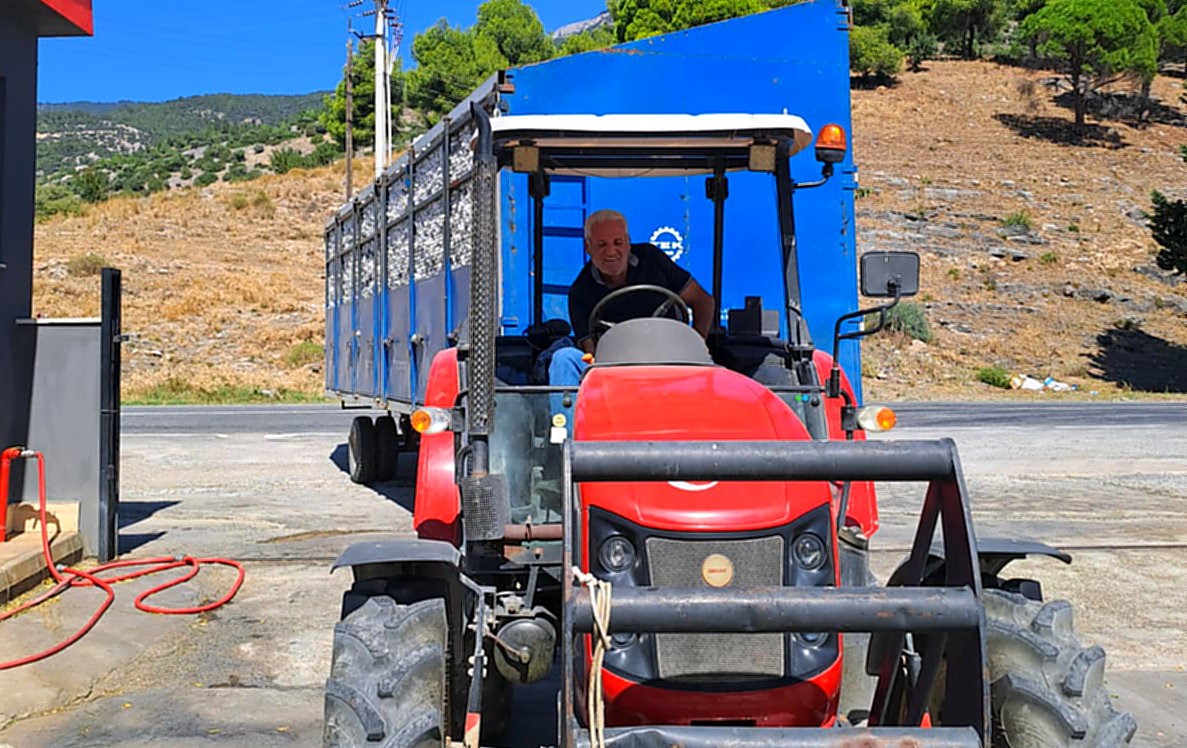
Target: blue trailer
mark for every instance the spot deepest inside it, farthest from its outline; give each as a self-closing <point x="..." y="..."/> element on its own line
<point x="398" y="255"/>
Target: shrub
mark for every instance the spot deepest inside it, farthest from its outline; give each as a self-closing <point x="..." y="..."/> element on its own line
<point x="909" y="319"/>
<point x="1074" y="228"/>
<point x="1183" y="152"/>
<point x="54" y="199"/>
<point x="91" y="185"/>
<point x="922" y="48"/>
<point x="284" y="160"/>
<point x="206" y="179"/>
<point x="1049" y="258"/>
<point x="257" y="148"/>
<point x="872" y="54"/>
<point x="238" y="201"/>
<point x="994" y="377"/>
<point x="86" y="265"/>
<point x="954" y="273"/>
<point x="263" y="204"/>
<point x="1017" y="220"/>
<point x="304" y="353"/>
<point x="1168" y="225"/>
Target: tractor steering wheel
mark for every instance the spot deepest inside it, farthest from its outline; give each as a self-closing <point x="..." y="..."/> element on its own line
<point x="673" y="301"/>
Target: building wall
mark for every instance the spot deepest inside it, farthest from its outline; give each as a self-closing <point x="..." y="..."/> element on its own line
<point x="18" y="121"/>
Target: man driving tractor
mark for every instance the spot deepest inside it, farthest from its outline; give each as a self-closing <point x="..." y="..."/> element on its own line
<point x="615" y="263"/>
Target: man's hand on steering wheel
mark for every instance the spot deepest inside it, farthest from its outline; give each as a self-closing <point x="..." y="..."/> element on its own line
<point x="598" y="325"/>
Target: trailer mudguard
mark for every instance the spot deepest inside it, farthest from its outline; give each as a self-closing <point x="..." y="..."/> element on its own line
<point x="863" y="502"/>
<point x="437" y="505"/>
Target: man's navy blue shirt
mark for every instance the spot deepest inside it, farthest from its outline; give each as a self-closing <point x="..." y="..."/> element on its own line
<point x="648" y="266"/>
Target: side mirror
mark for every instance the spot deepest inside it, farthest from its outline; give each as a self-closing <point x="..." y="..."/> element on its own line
<point x="889" y="274"/>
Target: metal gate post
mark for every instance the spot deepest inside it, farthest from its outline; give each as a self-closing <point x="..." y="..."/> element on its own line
<point x="110" y="339"/>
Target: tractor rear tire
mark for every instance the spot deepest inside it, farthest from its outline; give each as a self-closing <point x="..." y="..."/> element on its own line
<point x="362" y="451"/>
<point x="387" y="677"/>
<point x="1047" y="689"/>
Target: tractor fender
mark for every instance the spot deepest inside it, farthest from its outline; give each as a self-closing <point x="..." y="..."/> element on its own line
<point x="437" y="504"/>
<point x="994" y="553"/>
<point x="399" y="551"/>
<point x="406" y="569"/>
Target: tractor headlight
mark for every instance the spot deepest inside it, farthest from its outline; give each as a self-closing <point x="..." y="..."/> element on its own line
<point x="809" y="551"/>
<point x="616" y="554"/>
<point x="812" y="638"/>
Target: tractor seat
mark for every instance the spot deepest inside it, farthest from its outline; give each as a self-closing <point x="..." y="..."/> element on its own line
<point x="514" y="356"/>
<point x="654" y="341"/>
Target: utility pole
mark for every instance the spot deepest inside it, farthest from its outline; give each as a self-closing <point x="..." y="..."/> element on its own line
<point x="383" y="107"/>
<point x="349" y="118"/>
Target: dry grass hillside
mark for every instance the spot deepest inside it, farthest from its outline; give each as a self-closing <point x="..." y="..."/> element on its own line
<point x="1035" y="254"/>
<point x="222" y="285"/>
<point x="1036" y="257"/>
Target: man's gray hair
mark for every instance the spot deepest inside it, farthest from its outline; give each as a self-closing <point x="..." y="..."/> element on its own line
<point x="604" y="216"/>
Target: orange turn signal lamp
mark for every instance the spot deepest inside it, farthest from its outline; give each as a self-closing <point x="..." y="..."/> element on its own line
<point x="831" y="144"/>
<point x="876" y="418"/>
<point x="430" y="420"/>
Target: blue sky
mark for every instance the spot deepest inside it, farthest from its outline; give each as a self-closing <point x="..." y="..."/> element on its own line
<point x="154" y="50"/>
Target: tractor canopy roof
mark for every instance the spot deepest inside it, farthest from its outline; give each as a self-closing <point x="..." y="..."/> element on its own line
<point x="632" y="145"/>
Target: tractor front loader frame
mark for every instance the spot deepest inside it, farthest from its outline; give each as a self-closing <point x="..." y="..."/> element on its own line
<point x="950" y="617"/>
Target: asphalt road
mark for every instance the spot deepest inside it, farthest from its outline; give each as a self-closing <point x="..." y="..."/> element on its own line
<point x="306" y="419"/>
<point x="267" y="485"/>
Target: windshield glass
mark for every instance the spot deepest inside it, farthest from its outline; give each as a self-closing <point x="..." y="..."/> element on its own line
<point x="522" y="451"/>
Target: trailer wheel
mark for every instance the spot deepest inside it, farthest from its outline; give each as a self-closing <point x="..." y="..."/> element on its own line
<point x="387" y="677"/>
<point x="387" y="447"/>
<point x="1047" y="689"/>
<point x="362" y="453"/>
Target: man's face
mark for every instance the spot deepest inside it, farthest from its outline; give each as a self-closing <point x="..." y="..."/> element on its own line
<point x="609" y="247"/>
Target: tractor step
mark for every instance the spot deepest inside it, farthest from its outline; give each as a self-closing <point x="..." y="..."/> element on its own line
<point x="795" y="737"/>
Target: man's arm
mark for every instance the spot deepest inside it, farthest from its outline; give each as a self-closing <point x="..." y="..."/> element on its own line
<point x="579" y="309"/>
<point x="703" y="307"/>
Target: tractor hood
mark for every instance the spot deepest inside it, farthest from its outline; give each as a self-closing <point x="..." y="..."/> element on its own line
<point x="690" y="403"/>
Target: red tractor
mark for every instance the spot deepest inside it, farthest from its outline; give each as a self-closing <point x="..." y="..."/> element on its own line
<point x="689" y="556"/>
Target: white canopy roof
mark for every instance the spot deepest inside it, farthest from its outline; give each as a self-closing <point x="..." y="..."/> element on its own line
<point x="644" y="131"/>
<point x="630" y="145"/>
<point x="672" y="130"/>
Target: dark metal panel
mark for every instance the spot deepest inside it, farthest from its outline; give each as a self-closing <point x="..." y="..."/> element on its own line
<point x="774" y="609"/>
<point x="431" y="334"/>
<point x="778" y="461"/>
<point x="110" y="340"/>
<point x="64" y="419"/>
<point x="18" y="120"/>
<point x="398" y="260"/>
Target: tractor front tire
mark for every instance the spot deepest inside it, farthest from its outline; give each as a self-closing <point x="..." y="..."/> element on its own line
<point x="362" y="450"/>
<point x="1047" y="690"/>
<point x="387" y="678"/>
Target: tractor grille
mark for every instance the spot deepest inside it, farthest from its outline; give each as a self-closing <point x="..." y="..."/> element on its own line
<point x="734" y="657"/>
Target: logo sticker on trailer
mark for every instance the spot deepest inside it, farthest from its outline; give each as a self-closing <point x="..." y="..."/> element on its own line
<point x="670" y="241"/>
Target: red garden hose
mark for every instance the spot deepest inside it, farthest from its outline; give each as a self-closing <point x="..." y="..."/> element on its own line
<point x="68" y="577"/>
